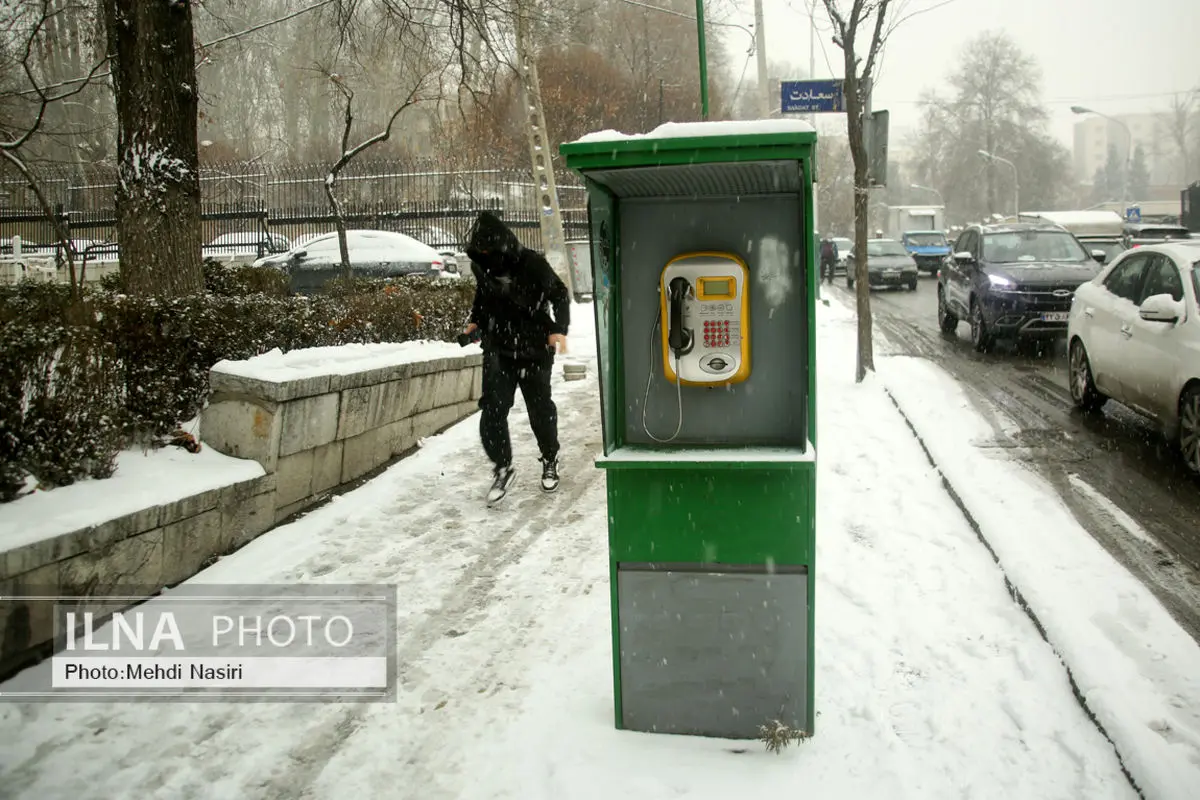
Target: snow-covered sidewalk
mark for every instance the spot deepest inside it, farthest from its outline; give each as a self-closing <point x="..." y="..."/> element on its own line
<point x="1136" y="668"/>
<point x="930" y="681"/>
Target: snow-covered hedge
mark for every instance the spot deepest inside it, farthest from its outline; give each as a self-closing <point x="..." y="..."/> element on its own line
<point x="76" y="385"/>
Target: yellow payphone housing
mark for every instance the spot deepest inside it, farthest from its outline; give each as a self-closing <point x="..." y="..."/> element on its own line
<point x="705" y="312"/>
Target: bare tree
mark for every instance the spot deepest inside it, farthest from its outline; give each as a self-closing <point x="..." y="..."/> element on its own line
<point x="995" y="106"/>
<point x="860" y="32"/>
<point x="349" y="152"/>
<point x="1181" y="124"/>
<point x="26" y="104"/>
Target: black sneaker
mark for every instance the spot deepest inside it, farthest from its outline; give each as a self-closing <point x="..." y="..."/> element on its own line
<point x="549" y="474"/>
<point x="503" y="480"/>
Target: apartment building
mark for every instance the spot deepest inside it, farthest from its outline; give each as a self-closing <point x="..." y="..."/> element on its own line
<point x="1094" y="135"/>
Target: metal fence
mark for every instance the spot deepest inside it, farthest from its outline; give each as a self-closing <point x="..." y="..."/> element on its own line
<point x="429" y="199"/>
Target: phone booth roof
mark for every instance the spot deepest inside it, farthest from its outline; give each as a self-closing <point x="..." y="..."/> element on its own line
<point x="744" y="156"/>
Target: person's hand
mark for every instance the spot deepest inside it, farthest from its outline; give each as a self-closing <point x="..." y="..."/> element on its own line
<point x="558" y="342"/>
<point x="470" y="329"/>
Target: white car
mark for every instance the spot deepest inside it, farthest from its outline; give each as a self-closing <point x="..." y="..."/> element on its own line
<point x="246" y="243"/>
<point x="1134" y="336"/>
<point x="844" y="246"/>
<point x="373" y="254"/>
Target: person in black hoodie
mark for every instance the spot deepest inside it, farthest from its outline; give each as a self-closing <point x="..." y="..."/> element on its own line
<point x="516" y="291"/>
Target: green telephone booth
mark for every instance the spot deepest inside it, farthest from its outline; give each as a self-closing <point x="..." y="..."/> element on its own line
<point x="703" y="260"/>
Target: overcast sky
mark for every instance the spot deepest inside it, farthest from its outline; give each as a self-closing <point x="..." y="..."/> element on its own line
<point x="1115" y="56"/>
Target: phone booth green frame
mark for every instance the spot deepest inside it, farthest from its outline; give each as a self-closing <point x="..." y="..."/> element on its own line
<point x="712" y="546"/>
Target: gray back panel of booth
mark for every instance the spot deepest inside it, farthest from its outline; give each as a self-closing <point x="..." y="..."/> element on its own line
<point x="712" y="654"/>
<point x="770" y="407"/>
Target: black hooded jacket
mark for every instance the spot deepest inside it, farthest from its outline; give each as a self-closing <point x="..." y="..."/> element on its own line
<point x="516" y="290"/>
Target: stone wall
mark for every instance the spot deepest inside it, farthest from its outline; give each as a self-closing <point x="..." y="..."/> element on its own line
<point x="311" y="436"/>
<point x="315" y="434"/>
<point x="133" y="555"/>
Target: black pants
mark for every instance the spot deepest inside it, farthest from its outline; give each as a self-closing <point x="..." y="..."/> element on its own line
<point x="827" y="267"/>
<point x="501" y="378"/>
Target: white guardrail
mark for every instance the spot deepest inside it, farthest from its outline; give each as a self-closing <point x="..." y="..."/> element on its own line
<point x="16" y="266"/>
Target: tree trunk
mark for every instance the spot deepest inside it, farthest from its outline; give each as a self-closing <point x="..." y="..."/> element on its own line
<point x="862" y="209"/>
<point x="339" y="223"/>
<point x="158" y="186"/>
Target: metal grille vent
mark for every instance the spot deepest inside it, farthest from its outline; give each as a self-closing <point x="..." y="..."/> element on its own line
<point x="703" y="180"/>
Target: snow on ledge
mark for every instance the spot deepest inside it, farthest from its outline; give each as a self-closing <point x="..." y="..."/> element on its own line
<point x="142" y="481"/>
<point x="731" y="455"/>
<point x="275" y="366"/>
<point x="688" y="130"/>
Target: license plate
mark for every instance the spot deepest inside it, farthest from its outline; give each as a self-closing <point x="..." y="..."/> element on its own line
<point x="1057" y="316"/>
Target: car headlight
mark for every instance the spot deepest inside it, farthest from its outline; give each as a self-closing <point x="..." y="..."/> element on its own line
<point x="1001" y="283"/>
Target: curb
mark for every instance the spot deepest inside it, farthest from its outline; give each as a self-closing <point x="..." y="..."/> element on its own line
<point x="1015" y="592"/>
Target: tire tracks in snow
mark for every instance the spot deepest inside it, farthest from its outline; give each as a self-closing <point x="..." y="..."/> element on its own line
<point x="1018" y="597"/>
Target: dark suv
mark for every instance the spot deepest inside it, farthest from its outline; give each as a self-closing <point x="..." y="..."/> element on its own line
<point x="1012" y="281"/>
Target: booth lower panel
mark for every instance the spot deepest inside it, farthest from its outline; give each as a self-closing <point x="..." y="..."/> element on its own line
<point x="712" y="651"/>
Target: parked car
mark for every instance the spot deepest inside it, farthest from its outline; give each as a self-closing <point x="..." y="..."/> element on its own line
<point x="928" y="249"/>
<point x="374" y="254"/>
<point x="1138" y="234"/>
<point x="888" y="264"/>
<point x="246" y="243"/>
<point x="844" y="246"/>
<point x="1134" y="336"/>
<point x="442" y="240"/>
<point x="1012" y="281"/>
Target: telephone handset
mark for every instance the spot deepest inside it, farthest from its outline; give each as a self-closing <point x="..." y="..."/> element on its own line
<point x="706" y="323"/>
<point x="678" y="338"/>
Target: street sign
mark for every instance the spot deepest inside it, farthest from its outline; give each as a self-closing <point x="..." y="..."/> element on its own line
<point x="1133" y="214"/>
<point x="812" y="97"/>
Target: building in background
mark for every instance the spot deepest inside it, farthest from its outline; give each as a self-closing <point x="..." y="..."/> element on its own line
<point x="1094" y="135"/>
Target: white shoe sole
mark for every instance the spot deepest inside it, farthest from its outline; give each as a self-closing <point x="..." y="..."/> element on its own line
<point x="511" y="482"/>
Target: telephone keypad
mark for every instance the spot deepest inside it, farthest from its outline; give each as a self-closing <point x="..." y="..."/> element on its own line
<point x="718" y="332"/>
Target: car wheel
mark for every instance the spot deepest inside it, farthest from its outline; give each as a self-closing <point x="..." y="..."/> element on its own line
<point x="1083" y="388"/>
<point x="1189" y="428"/>
<point x="849" y="282"/>
<point x="912" y="285"/>
<point x="946" y="319"/>
<point x="981" y="337"/>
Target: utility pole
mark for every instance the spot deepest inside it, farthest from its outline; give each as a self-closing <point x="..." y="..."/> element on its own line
<point x="760" y="44"/>
<point x="812" y="50"/>
<point x="540" y="155"/>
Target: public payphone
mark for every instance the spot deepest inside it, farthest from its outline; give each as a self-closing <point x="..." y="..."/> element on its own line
<point x="706" y="330"/>
<point x="704" y="326"/>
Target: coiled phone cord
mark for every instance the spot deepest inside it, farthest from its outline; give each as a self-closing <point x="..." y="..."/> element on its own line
<point x="649" y="380"/>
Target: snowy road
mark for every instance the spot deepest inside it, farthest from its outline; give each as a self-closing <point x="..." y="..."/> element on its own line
<point x="930" y="681"/>
<point x="1114" y="472"/>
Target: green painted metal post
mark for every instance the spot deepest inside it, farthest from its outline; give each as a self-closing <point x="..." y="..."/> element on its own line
<point x="703" y="60"/>
<point x="712" y="532"/>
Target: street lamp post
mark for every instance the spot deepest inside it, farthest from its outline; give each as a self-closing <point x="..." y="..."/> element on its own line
<point x="930" y="189"/>
<point x="1128" y="151"/>
<point x="1016" y="181"/>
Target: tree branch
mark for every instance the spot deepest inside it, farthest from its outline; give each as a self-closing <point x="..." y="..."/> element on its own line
<point x="877" y="37"/>
<point x="94" y="73"/>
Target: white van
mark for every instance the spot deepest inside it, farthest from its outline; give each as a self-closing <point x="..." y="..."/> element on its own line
<point x="1096" y="230"/>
